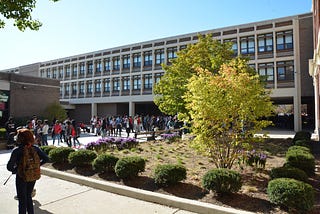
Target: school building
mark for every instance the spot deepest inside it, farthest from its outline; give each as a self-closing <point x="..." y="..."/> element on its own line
<point x="119" y="80"/>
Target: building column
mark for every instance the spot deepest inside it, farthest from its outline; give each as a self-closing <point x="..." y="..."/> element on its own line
<point x="316" y="103"/>
<point x="297" y="113"/>
<point x="93" y="109"/>
<point x="131" y="108"/>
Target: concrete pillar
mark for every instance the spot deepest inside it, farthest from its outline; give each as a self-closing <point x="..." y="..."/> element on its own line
<point x="131" y="108"/>
<point x="316" y="103"/>
<point x="93" y="109"/>
<point x="297" y="113"/>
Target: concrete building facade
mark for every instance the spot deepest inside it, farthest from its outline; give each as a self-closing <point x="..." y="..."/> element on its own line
<point x="119" y="80"/>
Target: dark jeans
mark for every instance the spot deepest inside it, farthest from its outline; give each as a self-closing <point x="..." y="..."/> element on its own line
<point x="24" y="190"/>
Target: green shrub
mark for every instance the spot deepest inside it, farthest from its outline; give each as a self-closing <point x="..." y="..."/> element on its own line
<point x="82" y="157"/>
<point x="291" y="193"/>
<point x="288" y="172"/>
<point x="304" y="143"/>
<point x="129" y="167"/>
<point x="47" y="149"/>
<point x="169" y="174"/>
<point x="302" y="135"/>
<point x="303" y="148"/>
<point x="301" y="159"/>
<point x="222" y="181"/>
<point x="60" y="154"/>
<point x="104" y="163"/>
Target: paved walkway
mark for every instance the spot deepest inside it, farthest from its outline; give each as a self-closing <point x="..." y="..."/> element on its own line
<point x="72" y="194"/>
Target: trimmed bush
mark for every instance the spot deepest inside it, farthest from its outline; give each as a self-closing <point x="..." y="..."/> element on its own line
<point x="3" y="133"/>
<point x="104" y="163"/>
<point x="47" y="149"/>
<point x="301" y="159"/>
<point x="169" y="174"/>
<point x="291" y="193"/>
<point x="82" y="157"/>
<point x="303" y="148"/>
<point x="304" y="143"/>
<point x="222" y="181"/>
<point x="302" y="135"/>
<point x="289" y="172"/>
<point x="129" y="167"/>
<point x="60" y="154"/>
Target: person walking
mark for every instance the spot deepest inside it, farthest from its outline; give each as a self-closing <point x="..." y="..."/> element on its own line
<point x="24" y="187"/>
<point x="45" y="131"/>
<point x="56" y="130"/>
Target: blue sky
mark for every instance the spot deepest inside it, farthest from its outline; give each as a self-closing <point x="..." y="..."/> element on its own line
<point x="72" y="27"/>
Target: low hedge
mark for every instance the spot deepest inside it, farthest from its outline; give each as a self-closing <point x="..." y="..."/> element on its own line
<point x="60" y="154"/>
<point x="288" y="172"/>
<point x="47" y="149"/>
<point x="82" y="157"/>
<point x="291" y="193"/>
<point x="301" y="159"/>
<point x="169" y="174"/>
<point x="222" y="181"/>
<point x="104" y="163"/>
<point x="129" y="167"/>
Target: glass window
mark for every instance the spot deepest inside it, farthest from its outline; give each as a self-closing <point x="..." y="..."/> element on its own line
<point x="148" y="81"/>
<point x="159" y="54"/>
<point x="126" y="83"/>
<point x="90" y="67"/>
<point x="54" y="73"/>
<point x="116" y="84"/>
<point x="107" y="85"/>
<point x="116" y="63"/>
<point x="267" y="70"/>
<point x="74" y="70"/>
<point x="42" y="73"/>
<point x="74" y="88"/>
<point x="82" y="68"/>
<point x="136" y="82"/>
<point x="265" y="42"/>
<point x="89" y="87"/>
<point x="284" y="40"/>
<point x="285" y="71"/>
<point x="68" y="72"/>
<point x="98" y="66"/>
<point x="126" y="61"/>
<point x="247" y="45"/>
<point x="172" y="53"/>
<point x="48" y="73"/>
<point x="234" y="45"/>
<point x="81" y="89"/>
<point x="136" y="60"/>
<point x="107" y="65"/>
<point x="60" y="72"/>
<point x="67" y="89"/>
<point x="97" y="86"/>
<point x="147" y="58"/>
<point x="157" y="77"/>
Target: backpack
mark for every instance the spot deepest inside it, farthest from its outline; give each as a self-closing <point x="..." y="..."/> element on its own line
<point x="29" y="166"/>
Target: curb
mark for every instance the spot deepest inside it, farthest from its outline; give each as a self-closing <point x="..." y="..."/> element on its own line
<point x="167" y="200"/>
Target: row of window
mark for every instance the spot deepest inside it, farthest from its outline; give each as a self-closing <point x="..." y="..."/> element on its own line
<point x="285" y="71"/>
<point x="265" y="43"/>
<point x="111" y="83"/>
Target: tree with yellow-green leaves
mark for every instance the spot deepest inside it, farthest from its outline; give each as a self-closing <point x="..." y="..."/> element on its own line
<point x="227" y="108"/>
<point x="19" y="11"/>
<point x="221" y="96"/>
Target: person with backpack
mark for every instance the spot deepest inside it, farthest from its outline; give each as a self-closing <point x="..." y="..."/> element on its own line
<point x="25" y="161"/>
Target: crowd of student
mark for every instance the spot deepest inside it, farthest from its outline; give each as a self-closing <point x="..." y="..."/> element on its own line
<point x="113" y="125"/>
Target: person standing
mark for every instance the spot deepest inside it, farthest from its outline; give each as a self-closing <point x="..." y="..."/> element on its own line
<point x="24" y="188"/>
<point x="45" y="130"/>
<point x="56" y="130"/>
